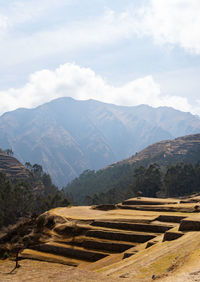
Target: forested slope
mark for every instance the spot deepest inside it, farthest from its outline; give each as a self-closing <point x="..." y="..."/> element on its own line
<point x="152" y="167"/>
<point x="25" y="191"/>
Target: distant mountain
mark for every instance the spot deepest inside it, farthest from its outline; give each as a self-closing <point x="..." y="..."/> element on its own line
<point x="67" y="136"/>
<point x="119" y="176"/>
<point x="164" y="153"/>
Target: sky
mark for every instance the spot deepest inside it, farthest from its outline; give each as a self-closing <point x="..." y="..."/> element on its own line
<point x="126" y="52"/>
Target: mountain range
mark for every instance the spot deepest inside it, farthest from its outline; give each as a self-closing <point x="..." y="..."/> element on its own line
<point x="68" y="136"/>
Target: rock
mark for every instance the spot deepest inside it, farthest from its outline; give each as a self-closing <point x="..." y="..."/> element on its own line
<point x="125" y="275"/>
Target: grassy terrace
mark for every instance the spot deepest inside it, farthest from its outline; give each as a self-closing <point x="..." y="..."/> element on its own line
<point x="150" y="237"/>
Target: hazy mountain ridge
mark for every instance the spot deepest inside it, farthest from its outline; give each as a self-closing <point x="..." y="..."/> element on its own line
<point x="186" y="148"/>
<point x="67" y="136"/>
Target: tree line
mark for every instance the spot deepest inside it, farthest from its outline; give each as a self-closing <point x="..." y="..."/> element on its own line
<point x="177" y="180"/>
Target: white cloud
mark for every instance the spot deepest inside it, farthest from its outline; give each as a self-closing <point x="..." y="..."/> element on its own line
<point x="3" y="23"/>
<point x="174" y="22"/>
<point x="82" y="83"/>
<point x="168" y="21"/>
<point x="65" y="37"/>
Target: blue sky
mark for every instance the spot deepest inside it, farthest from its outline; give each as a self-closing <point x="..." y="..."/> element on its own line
<point x="124" y="52"/>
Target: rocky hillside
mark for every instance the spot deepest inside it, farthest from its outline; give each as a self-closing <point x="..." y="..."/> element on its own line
<point x="186" y="149"/>
<point x="67" y="136"/>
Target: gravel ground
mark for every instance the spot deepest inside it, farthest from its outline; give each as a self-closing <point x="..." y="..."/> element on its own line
<point x="31" y="270"/>
<point x="42" y="272"/>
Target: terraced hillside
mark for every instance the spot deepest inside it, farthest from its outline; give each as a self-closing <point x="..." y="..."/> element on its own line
<point x="12" y="167"/>
<point x="136" y="239"/>
<point x="184" y="148"/>
<point x="16" y="171"/>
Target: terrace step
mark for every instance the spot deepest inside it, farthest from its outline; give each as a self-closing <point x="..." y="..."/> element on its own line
<point x="70" y="251"/>
<point x="109" y="246"/>
<point x="106" y="245"/>
<point x="71" y="230"/>
<point x="147" y="202"/>
<point x="170" y="218"/>
<point x="172" y="235"/>
<point x="157" y="228"/>
<point x="48" y="257"/>
<point x="157" y="208"/>
<point x="129" y="254"/>
<point x="151" y="243"/>
<point x="116" y="235"/>
<point x="189" y="224"/>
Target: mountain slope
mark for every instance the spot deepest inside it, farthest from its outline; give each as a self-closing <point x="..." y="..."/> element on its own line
<point x="67" y="136"/>
<point x="12" y="167"/>
<point x="119" y="176"/>
<point x="186" y="149"/>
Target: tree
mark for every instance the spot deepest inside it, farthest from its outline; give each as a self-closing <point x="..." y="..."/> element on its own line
<point x="152" y="181"/>
<point x="37" y="170"/>
<point x="19" y="199"/>
<point x="28" y="166"/>
<point x="9" y="152"/>
<point x="180" y="179"/>
<point x="147" y="180"/>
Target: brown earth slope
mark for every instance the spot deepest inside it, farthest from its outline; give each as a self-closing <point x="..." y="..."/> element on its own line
<point x="186" y="148"/>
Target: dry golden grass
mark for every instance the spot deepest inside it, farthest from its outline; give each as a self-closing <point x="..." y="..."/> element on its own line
<point x="87" y="213"/>
<point x="163" y="259"/>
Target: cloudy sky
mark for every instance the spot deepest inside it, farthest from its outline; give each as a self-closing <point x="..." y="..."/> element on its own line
<point x="126" y="52"/>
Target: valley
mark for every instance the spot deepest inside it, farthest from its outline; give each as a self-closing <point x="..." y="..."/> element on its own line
<point x="99" y="141"/>
<point x="135" y="219"/>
